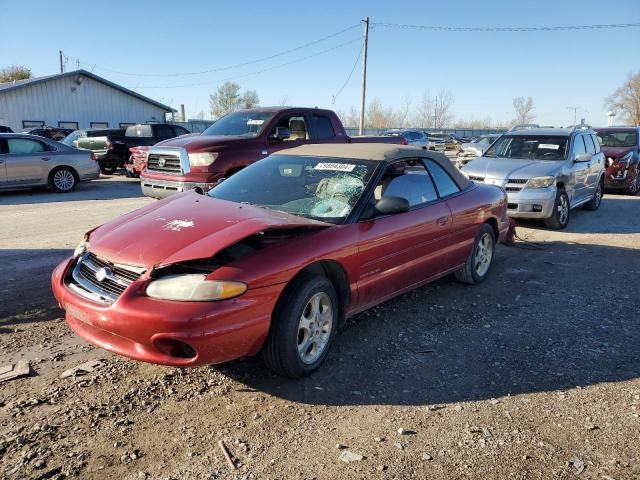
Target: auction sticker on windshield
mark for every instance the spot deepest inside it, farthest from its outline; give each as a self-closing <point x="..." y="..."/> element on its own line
<point x="255" y="122"/>
<point x="339" y="167"/>
<point x="548" y="146"/>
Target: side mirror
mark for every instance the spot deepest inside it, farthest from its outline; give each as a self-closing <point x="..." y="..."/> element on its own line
<point x="392" y="205"/>
<point x="583" y="157"/>
<point x="280" y="133"/>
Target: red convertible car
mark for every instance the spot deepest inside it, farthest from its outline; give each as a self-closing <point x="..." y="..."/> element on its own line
<point x="275" y="258"/>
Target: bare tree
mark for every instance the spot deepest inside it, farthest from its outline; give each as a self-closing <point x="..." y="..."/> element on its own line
<point x="524" y="110"/>
<point x="381" y="116"/>
<point x="250" y="99"/>
<point x="443" y="105"/>
<point x="423" y="115"/>
<point x="14" y="72"/>
<point x="626" y="99"/>
<point x="283" y="101"/>
<point x="474" y="124"/>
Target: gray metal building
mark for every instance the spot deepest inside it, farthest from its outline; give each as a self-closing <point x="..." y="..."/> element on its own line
<point x="77" y="99"/>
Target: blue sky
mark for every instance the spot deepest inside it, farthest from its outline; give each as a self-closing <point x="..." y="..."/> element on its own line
<point x="483" y="71"/>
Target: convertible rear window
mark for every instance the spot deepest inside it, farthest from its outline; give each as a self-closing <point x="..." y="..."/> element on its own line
<point x="321" y="188"/>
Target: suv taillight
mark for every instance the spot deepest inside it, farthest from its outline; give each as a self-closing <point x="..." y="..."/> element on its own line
<point x="109" y="145"/>
<point x="93" y="157"/>
<point x="404" y="142"/>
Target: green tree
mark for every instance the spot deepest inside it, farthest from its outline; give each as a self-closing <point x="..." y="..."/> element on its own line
<point x="228" y="99"/>
<point x="14" y="72"/>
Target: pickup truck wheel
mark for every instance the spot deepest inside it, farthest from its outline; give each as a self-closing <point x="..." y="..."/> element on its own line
<point x="559" y="218"/>
<point x="596" y="200"/>
<point x="477" y="266"/>
<point x="303" y="326"/>
<point x="63" y="179"/>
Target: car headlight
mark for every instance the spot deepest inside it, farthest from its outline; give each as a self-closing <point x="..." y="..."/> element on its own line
<point x="540" y="182"/>
<point x="82" y="247"/>
<point x="203" y="159"/>
<point x="626" y="160"/>
<point x="194" y="288"/>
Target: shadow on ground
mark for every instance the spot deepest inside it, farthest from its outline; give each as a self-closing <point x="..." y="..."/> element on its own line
<point x="544" y="321"/>
<point x="105" y="188"/>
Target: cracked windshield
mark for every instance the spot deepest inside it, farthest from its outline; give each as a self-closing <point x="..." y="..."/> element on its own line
<point x="324" y="189"/>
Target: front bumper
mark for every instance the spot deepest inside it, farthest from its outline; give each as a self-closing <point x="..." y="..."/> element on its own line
<point x="136" y="326"/>
<point x="618" y="177"/>
<point x="155" y="188"/>
<point x="531" y="203"/>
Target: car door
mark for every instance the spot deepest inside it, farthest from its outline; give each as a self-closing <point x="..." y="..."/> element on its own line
<point x="321" y="130"/>
<point x="398" y="251"/>
<point x="577" y="188"/>
<point x="596" y="165"/>
<point x="27" y="161"/>
<point x="297" y="124"/>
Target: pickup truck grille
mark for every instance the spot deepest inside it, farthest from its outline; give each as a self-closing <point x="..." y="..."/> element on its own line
<point x="98" y="279"/>
<point x="164" y="163"/>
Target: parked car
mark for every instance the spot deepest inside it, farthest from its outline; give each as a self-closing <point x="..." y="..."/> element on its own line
<point x="444" y="141"/>
<point x="98" y="140"/>
<point x="137" y="136"/>
<point x="411" y="135"/>
<point x="4" y="129"/>
<point x="31" y="161"/>
<point x="621" y="146"/>
<point x="545" y="172"/>
<point x="137" y="161"/>
<point x="469" y="151"/>
<point x="275" y="258"/>
<point x="52" y="133"/>
<point x="237" y="140"/>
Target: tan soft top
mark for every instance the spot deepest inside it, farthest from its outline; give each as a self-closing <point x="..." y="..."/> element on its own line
<point x="381" y="152"/>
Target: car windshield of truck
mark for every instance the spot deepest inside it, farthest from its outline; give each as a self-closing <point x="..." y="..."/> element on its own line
<point x="618" y="139"/>
<point x="319" y="188"/>
<point x="240" y="124"/>
<point x="531" y="147"/>
<point x="139" y="131"/>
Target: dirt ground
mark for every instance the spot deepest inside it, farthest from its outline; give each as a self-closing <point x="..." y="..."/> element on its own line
<point x="532" y="374"/>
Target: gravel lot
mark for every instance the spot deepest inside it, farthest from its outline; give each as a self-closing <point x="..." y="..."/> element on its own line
<point x="533" y="374"/>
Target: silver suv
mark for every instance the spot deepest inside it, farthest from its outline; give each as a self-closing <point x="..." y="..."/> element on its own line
<point x="545" y="171"/>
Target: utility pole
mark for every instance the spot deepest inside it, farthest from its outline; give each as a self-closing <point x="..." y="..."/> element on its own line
<point x="364" y="74"/>
<point x="575" y="109"/>
<point x="61" y="64"/>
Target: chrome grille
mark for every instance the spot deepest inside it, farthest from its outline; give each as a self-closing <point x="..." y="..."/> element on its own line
<point x="101" y="280"/>
<point x="164" y="163"/>
<point x="513" y="189"/>
<point x="518" y="180"/>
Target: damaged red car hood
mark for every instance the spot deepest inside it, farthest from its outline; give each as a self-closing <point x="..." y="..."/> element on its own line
<point x="616" y="152"/>
<point x="185" y="227"/>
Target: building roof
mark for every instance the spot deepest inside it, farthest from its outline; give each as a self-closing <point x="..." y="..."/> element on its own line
<point x="6" y="87"/>
<point x="381" y="152"/>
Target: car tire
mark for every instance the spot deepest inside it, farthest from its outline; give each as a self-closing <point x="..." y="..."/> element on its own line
<point x="634" y="188"/>
<point x="303" y="326"/>
<point x="108" y="170"/>
<point x="596" y="200"/>
<point x="559" y="218"/>
<point x="63" y="179"/>
<point x="479" y="262"/>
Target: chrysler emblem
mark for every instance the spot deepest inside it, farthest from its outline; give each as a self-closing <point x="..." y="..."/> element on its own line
<point x="103" y="274"/>
<point x="161" y="162"/>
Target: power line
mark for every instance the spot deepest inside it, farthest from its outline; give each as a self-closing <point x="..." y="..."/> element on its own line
<point x="230" y="67"/>
<point x="349" y="77"/>
<point x="257" y="72"/>
<point x="437" y="28"/>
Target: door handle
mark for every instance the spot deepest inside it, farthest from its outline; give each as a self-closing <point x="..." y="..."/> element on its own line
<point x="46" y="159"/>
<point x="442" y="221"/>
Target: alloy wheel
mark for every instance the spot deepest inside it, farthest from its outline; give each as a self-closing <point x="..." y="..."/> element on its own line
<point x="484" y="254"/>
<point x="64" y="180"/>
<point x="563" y="209"/>
<point x="314" y="328"/>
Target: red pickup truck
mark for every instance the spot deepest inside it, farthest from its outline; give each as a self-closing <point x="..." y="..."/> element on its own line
<point x="235" y="141"/>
